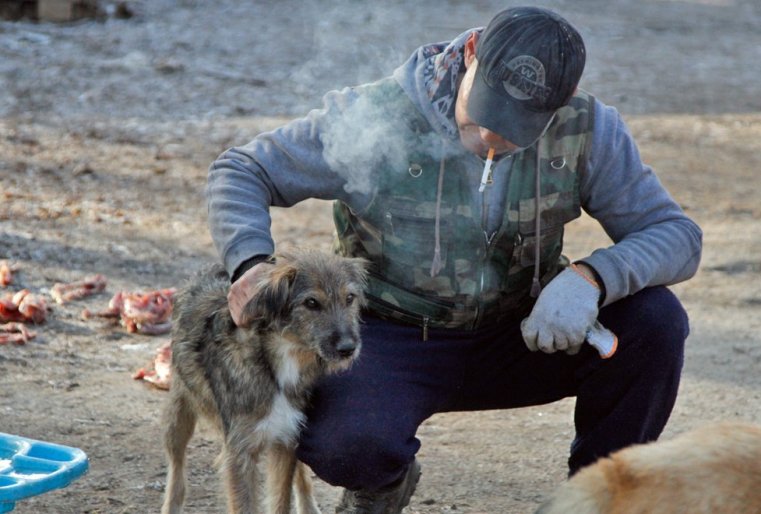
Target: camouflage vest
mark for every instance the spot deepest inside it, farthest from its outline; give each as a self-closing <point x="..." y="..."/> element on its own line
<point x="482" y="281"/>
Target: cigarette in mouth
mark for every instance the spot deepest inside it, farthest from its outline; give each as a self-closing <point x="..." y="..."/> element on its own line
<point x="487" y="170"/>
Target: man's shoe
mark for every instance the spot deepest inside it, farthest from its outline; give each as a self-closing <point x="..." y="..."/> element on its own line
<point x="389" y="500"/>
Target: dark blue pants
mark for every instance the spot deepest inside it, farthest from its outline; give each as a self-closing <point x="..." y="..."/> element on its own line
<point x="361" y="428"/>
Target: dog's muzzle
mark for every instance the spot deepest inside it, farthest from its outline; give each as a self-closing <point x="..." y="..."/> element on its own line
<point x="346" y="348"/>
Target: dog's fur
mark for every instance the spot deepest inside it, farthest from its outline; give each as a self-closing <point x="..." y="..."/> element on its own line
<point x="253" y="383"/>
<point x="711" y="470"/>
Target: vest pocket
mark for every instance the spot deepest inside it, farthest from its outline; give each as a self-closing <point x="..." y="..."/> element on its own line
<point x="411" y="238"/>
<point x="409" y="243"/>
<point x="556" y="209"/>
<point x="550" y="242"/>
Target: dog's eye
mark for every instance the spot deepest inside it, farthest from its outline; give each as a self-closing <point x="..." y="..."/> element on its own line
<point x="312" y="304"/>
<point x="349" y="299"/>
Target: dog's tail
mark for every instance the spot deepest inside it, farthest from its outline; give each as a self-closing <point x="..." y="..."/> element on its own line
<point x="586" y="493"/>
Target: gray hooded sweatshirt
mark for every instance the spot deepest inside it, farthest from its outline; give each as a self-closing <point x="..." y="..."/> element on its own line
<point x="654" y="242"/>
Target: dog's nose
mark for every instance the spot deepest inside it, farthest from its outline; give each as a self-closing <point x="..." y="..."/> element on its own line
<point x="346" y="348"/>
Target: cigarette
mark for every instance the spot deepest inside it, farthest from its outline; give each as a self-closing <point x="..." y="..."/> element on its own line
<point x="487" y="171"/>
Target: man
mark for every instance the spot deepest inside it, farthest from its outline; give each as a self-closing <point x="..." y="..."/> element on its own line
<point x="471" y="305"/>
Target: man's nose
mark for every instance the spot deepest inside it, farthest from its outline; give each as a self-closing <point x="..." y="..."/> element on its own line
<point x="492" y="138"/>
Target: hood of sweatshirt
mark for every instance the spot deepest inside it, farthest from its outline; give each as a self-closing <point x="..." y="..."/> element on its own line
<point x="430" y="78"/>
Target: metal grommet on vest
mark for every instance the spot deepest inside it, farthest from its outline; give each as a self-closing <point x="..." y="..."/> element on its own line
<point x="558" y="163"/>
<point x="415" y="170"/>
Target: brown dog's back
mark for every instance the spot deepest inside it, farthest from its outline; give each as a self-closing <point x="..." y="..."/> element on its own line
<point x="714" y="469"/>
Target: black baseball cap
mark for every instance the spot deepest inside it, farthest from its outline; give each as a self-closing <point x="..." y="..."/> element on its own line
<point x="530" y="62"/>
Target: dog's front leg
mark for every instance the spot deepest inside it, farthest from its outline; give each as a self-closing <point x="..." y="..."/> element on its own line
<point x="281" y="464"/>
<point x="179" y="422"/>
<point x="241" y="475"/>
<point x="305" y="502"/>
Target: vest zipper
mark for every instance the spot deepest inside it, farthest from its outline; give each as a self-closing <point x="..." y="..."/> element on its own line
<point x="488" y="239"/>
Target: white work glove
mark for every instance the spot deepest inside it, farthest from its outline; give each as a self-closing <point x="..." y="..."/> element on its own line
<point x="563" y="314"/>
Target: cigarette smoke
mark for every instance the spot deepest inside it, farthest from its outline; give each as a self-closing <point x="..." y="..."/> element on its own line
<point x="365" y="140"/>
<point x="369" y="138"/>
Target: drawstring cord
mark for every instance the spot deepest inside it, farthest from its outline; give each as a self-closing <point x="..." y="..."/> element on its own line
<point x="436" y="262"/>
<point x="536" y="286"/>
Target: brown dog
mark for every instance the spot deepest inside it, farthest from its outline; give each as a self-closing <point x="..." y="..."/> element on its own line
<point x="253" y="383"/>
<point x="715" y="469"/>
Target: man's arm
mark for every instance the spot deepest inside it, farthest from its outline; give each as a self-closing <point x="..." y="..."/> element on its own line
<point x="655" y="243"/>
<point x="279" y="168"/>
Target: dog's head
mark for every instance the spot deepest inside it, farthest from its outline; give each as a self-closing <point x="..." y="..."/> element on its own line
<point x="314" y="300"/>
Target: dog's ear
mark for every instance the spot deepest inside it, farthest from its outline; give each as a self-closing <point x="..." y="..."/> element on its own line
<point x="271" y="301"/>
<point x="356" y="270"/>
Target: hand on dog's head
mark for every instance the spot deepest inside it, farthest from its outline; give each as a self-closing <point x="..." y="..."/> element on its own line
<point x="272" y="302"/>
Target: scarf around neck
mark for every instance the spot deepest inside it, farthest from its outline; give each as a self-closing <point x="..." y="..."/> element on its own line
<point x="431" y="77"/>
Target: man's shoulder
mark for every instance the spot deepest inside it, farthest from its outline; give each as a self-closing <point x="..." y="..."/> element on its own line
<point x="602" y="118"/>
<point x="601" y="109"/>
<point x="389" y="101"/>
<point x="386" y="91"/>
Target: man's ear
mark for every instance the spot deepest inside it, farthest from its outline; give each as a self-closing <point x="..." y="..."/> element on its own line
<point x="470" y="48"/>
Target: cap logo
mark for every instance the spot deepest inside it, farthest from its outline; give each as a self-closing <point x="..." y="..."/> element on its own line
<point x="523" y="78"/>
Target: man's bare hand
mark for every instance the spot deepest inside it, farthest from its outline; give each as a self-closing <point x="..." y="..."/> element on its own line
<point x="242" y="291"/>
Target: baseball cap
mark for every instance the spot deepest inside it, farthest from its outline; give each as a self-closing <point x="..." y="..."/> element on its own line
<point x="530" y="61"/>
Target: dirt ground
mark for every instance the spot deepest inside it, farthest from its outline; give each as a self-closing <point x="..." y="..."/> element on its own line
<point x="107" y="129"/>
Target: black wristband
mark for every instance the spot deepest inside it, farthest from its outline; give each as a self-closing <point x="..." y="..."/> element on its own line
<point x="247" y="265"/>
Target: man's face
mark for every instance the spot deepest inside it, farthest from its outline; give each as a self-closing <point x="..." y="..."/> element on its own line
<point x="473" y="137"/>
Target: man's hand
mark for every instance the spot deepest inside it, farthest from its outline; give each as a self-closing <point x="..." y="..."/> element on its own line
<point x="242" y="291"/>
<point x="563" y="313"/>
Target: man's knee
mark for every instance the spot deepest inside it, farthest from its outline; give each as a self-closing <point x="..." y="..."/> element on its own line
<point x="367" y="459"/>
<point x="664" y="314"/>
<point x="652" y="319"/>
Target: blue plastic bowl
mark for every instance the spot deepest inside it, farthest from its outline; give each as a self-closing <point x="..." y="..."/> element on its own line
<point x="29" y="468"/>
